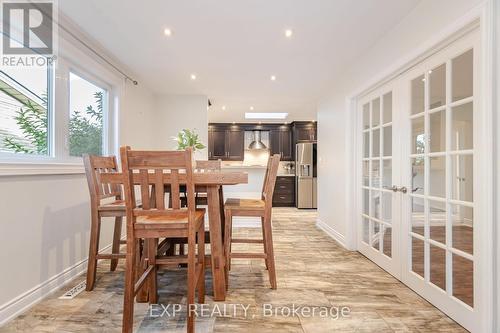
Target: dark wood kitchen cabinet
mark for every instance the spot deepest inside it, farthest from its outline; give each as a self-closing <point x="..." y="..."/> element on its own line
<point x="284" y="192"/>
<point x="226" y="143"/>
<point x="235" y="148"/>
<point x="217" y="144"/>
<point x="304" y="131"/>
<point x="281" y="142"/>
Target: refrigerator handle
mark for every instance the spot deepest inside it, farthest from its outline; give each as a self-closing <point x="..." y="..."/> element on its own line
<point x="305" y="170"/>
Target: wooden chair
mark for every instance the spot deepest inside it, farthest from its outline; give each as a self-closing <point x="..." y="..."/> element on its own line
<point x="201" y="198"/>
<point x="160" y="168"/>
<point x="95" y="167"/>
<point x="203" y="166"/>
<point x="254" y="207"/>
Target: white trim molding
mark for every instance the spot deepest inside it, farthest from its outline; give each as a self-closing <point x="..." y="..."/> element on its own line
<point x="334" y="234"/>
<point x="30" y="169"/>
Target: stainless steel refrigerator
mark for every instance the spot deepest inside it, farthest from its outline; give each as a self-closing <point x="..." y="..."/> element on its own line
<point x="305" y="175"/>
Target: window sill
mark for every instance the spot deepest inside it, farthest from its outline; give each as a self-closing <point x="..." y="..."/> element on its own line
<point x="30" y="169"/>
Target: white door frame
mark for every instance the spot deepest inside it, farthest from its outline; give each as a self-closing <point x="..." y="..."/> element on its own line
<point x="484" y="17"/>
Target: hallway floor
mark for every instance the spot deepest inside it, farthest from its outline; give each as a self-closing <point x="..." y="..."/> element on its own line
<point x="313" y="272"/>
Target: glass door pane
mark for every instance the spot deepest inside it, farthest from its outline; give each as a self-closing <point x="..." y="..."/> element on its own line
<point x="441" y="146"/>
<point x="377" y="158"/>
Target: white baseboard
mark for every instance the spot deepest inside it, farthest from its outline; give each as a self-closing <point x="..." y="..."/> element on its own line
<point x="338" y="237"/>
<point x="23" y="302"/>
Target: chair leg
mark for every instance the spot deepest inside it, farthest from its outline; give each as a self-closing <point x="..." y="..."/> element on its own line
<point x="152" y="248"/>
<point x="201" y="264"/>
<point x="130" y="277"/>
<point x="264" y="241"/>
<point x="268" y="230"/>
<point x="95" y="229"/>
<point x="141" y="255"/>
<point x="116" y="241"/>
<point x="227" y="243"/>
<point x="191" y="280"/>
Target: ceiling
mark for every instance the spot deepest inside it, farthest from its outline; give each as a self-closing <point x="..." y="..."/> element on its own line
<point x="234" y="47"/>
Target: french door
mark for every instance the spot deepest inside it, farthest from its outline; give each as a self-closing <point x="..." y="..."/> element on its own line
<point x="419" y="189"/>
<point x="380" y="222"/>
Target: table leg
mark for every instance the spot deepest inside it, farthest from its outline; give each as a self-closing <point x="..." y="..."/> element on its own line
<point x="216" y="248"/>
<point x="222" y="214"/>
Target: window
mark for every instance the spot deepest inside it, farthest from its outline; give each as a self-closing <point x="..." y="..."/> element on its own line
<point x="87" y="102"/>
<point x="24" y="115"/>
<point x="56" y="113"/>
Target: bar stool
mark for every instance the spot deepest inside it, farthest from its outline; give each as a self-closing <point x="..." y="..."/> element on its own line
<point x="161" y="168"/>
<point x="95" y="167"/>
<point x="254" y="207"/>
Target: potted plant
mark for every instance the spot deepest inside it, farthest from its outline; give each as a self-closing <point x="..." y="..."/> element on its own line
<point x="188" y="138"/>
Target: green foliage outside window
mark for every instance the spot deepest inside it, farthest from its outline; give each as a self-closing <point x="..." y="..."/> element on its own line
<point x="85" y="130"/>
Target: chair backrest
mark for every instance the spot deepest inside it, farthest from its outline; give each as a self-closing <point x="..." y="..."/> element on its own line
<point x="270" y="179"/>
<point x="152" y="171"/>
<point x="208" y="165"/>
<point x="95" y="167"/>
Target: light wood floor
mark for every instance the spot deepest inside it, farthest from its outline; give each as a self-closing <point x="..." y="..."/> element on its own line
<point x="312" y="269"/>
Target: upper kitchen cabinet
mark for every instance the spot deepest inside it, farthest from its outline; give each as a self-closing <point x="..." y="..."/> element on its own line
<point x="235" y="148"/>
<point x="304" y="131"/>
<point x="216" y="143"/>
<point x="226" y="142"/>
<point x="281" y="142"/>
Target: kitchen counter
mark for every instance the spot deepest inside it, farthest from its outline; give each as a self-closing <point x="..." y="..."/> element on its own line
<point x="283" y="170"/>
<point x="242" y="166"/>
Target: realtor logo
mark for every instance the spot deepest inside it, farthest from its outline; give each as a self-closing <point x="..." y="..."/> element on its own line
<point x="27" y="28"/>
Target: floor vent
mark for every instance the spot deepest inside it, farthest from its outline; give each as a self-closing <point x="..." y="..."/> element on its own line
<point x="73" y="292"/>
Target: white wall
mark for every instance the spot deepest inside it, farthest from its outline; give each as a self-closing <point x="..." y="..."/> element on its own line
<point x="173" y="113"/>
<point x="137" y="117"/>
<point x="426" y="20"/>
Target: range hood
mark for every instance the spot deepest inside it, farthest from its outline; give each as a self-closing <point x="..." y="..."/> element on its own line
<point x="257" y="142"/>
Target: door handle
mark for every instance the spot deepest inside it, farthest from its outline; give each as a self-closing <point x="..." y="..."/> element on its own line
<point x="403" y="189"/>
<point x="393" y="188"/>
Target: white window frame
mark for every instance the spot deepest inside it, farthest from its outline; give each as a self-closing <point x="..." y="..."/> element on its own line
<point x="71" y="58"/>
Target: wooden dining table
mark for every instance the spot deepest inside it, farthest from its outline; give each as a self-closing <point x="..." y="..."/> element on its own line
<point x="210" y="182"/>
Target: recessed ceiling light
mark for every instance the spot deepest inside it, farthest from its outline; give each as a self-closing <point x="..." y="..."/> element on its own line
<point x="223" y="107"/>
<point x="288" y="33"/>
<point x="273" y="77"/>
<point x="167" y="32"/>
<point x="251" y="108"/>
<point x="193" y="76"/>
